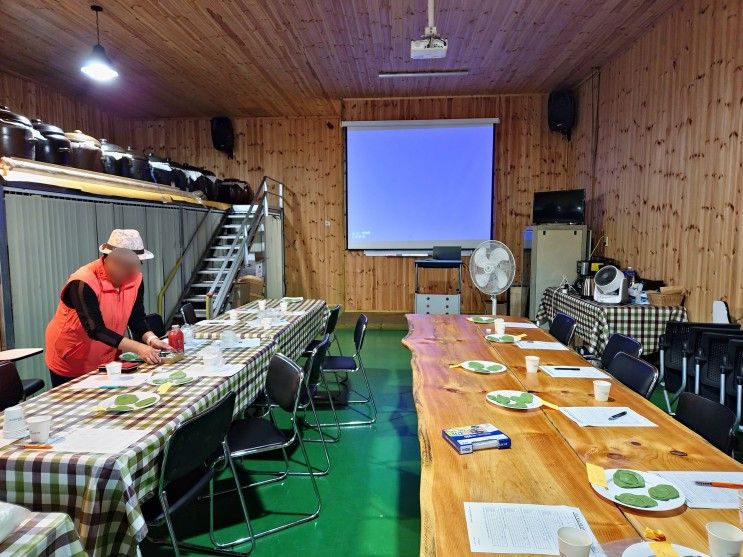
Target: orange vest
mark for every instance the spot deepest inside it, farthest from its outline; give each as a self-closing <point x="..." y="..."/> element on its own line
<point x="69" y="349"/>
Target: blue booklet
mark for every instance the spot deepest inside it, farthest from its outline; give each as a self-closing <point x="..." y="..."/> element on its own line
<point x="476" y="437"/>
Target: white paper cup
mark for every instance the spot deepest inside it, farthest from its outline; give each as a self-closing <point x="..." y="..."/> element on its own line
<point x="573" y="542"/>
<point x="261" y="304"/>
<point x="532" y="364"/>
<point x="212" y="359"/>
<point x="725" y="540"/>
<point x="266" y="322"/>
<point x="39" y="427"/>
<point x="232" y="314"/>
<point x="284" y="306"/>
<point x="15" y="423"/>
<point x="113" y="369"/>
<point x="229" y="338"/>
<point x="601" y="390"/>
<point x="500" y="328"/>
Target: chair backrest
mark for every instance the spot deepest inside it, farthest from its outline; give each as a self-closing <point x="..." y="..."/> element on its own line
<point x="11" y="388"/>
<point x="720" y="312"/>
<point x="189" y="314"/>
<point x="707" y="418"/>
<point x="197" y="440"/>
<point x="563" y="328"/>
<point x="675" y="340"/>
<point x="332" y="322"/>
<point x="359" y="333"/>
<point x="156" y="324"/>
<point x="447" y="253"/>
<point x="313" y="365"/>
<point x="637" y="374"/>
<point x="619" y="343"/>
<point x="711" y="355"/>
<point x="283" y="382"/>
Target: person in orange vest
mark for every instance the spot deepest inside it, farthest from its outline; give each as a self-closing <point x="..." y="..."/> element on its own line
<point x="98" y="302"/>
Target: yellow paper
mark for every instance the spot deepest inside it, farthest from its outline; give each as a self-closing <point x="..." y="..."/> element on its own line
<point x="164" y="388"/>
<point x="99" y="409"/>
<point x="663" y="549"/>
<point x="596" y="475"/>
<point x="550" y="405"/>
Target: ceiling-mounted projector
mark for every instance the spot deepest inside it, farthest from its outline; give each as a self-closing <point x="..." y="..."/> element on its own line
<point x="430" y="44"/>
<point x="610" y="286"/>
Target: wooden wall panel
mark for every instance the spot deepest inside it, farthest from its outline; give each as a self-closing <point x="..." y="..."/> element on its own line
<point x="669" y="179"/>
<point x="304" y="153"/>
<point x="529" y="158"/>
<point x="34" y="100"/>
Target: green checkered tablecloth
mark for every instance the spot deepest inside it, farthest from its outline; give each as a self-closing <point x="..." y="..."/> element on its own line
<point x="596" y="322"/>
<point x="44" y="535"/>
<point x="103" y="492"/>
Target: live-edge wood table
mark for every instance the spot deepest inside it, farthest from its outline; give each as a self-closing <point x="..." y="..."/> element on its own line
<point x="546" y="464"/>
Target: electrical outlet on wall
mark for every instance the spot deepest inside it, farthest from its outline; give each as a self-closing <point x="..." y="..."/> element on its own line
<point x="327" y="223"/>
<point x="606" y="241"/>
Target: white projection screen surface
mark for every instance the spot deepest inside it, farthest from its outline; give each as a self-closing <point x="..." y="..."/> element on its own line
<point x="411" y="185"/>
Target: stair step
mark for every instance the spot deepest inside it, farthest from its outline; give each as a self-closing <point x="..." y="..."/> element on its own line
<point x="214" y="259"/>
<point x="204" y="284"/>
<point x="196" y="299"/>
<point x="228" y="237"/>
<point x="221" y="247"/>
<point x="208" y="271"/>
<point x="232" y="226"/>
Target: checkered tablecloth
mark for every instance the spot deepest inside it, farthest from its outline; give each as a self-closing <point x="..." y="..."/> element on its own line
<point x="103" y="493"/>
<point x="596" y="322"/>
<point x="44" y="535"/>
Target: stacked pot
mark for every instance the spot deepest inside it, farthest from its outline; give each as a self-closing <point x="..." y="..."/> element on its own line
<point x="17" y="137"/>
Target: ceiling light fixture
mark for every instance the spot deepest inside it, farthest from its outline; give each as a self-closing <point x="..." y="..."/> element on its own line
<point x="98" y="65"/>
<point x="439" y="73"/>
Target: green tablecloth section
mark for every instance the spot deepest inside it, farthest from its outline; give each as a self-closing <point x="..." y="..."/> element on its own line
<point x="597" y="322"/>
<point x="103" y="493"/>
<point x="44" y="535"/>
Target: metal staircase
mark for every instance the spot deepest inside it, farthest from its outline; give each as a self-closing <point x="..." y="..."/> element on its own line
<point x="242" y="232"/>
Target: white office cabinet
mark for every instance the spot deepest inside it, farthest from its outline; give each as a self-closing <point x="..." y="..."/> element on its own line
<point x="550" y="251"/>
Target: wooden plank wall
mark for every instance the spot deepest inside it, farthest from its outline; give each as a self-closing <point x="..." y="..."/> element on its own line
<point x="306" y="153"/>
<point x="669" y="180"/>
<point x="34" y="100"/>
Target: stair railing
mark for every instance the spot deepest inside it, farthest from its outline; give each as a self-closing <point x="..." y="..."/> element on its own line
<point x="177" y="265"/>
<point x="237" y="252"/>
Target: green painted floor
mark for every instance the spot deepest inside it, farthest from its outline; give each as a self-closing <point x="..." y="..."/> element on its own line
<point x="370" y="499"/>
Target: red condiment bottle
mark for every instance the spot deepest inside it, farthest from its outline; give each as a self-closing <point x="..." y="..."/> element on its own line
<point x="175" y="339"/>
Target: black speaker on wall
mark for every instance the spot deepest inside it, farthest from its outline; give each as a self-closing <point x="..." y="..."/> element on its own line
<point x="561" y="111"/>
<point x="223" y="137"/>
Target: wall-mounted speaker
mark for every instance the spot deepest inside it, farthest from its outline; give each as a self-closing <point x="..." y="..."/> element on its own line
<point x="223" y="137"/>
<point x="561" y="111"/>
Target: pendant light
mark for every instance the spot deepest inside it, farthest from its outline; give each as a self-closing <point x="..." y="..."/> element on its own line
<point x="98" y="65"/>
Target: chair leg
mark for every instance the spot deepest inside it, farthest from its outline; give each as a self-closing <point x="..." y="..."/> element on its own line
<point x="169" y="523"/>
<point x="326" y="469"/>
<point x="317" y="425"/>
<point x="369" y="401"/>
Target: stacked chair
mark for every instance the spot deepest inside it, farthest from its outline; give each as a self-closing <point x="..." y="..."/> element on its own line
<point x="563" y="328"/>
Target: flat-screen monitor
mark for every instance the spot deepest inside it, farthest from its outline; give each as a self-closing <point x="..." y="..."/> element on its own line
<point x="566" y="206"/>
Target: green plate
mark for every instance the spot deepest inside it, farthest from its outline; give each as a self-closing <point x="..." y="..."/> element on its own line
<point x="130" y="402"/>
<point x="501" y="338"/>
<point x="515" y="400"/>
<point x="481" y="319"/>
<point x="130" y="357"/>
<point x="172" y="377"/>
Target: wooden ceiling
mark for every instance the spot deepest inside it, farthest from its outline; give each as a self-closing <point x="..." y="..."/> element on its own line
<point x="298" y="57"/>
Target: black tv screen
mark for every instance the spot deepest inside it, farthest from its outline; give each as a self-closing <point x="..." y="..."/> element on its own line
<point x="567" y="206"/>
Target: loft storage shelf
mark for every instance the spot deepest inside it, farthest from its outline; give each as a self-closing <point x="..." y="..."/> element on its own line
<point x="25" y="172"/>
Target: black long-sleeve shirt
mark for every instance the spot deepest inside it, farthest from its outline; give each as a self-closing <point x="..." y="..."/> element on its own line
<point x="83" y="300"/>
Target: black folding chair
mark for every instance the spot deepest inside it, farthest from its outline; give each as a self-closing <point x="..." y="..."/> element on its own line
<point x="192" y="456"/>
<point x="676" y="352"/>
<point x="732" y="367"/>
<point x="354" y="364"/>
<point x="637" y="374"/>
<point x="189" y="314"/>
<point x="254" y="436"/>
<point x="330" y="324"/>
<point x="709" y="419"/>
<point x="156" y="324"/>
<point x="563" y="328"/>
<point x="711" y="377"/>
<point x="11" y="387"/>
<point x="617" y="343"/>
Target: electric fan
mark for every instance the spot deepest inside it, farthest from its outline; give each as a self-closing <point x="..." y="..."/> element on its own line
<point x="492" y="269"/>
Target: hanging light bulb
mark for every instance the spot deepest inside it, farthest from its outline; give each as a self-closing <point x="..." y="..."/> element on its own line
<point x="98" y="65"/>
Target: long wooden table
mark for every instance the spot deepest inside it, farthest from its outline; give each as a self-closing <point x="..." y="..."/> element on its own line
<point x="546" y="464"/>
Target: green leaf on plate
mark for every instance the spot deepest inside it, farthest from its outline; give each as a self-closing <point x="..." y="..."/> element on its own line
<point x="636" y="500"/>
<point x="628" y="479"/>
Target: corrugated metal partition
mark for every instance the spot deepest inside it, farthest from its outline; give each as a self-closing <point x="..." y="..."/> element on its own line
<point x="50" y="237"/>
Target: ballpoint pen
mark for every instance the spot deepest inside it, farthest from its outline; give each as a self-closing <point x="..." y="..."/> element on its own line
<point x="619" y="415"/>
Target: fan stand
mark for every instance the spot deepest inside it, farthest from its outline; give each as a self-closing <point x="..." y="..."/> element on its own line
<point x="494" y="304"/>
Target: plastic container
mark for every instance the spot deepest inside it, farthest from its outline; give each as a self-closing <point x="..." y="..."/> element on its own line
<point x="176" y="339"/>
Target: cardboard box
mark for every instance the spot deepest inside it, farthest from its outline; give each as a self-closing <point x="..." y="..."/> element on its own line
<point x="247" y="289"/>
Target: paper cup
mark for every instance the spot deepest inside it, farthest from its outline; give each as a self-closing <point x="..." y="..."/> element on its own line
<point x="601" y="390"/>
<point x="573" y="542"/>
<point x="725" y="540"/>
<point x="39" y="427"/>
<point x="229" y="338"/>
<point x="500" y="328"/>
<point x="284" y="306"/>
<point x="261" y="304"/>
<point x="232" y="314"/>
<point x="14" y="423"/>
<point x="532" y="364"/>
<point x="266" y="322"/>
<point x="113" y="369"/>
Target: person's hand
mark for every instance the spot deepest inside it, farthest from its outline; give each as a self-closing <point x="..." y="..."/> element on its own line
<point x="160" y="345"/>
<point x="149" y="354"/>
